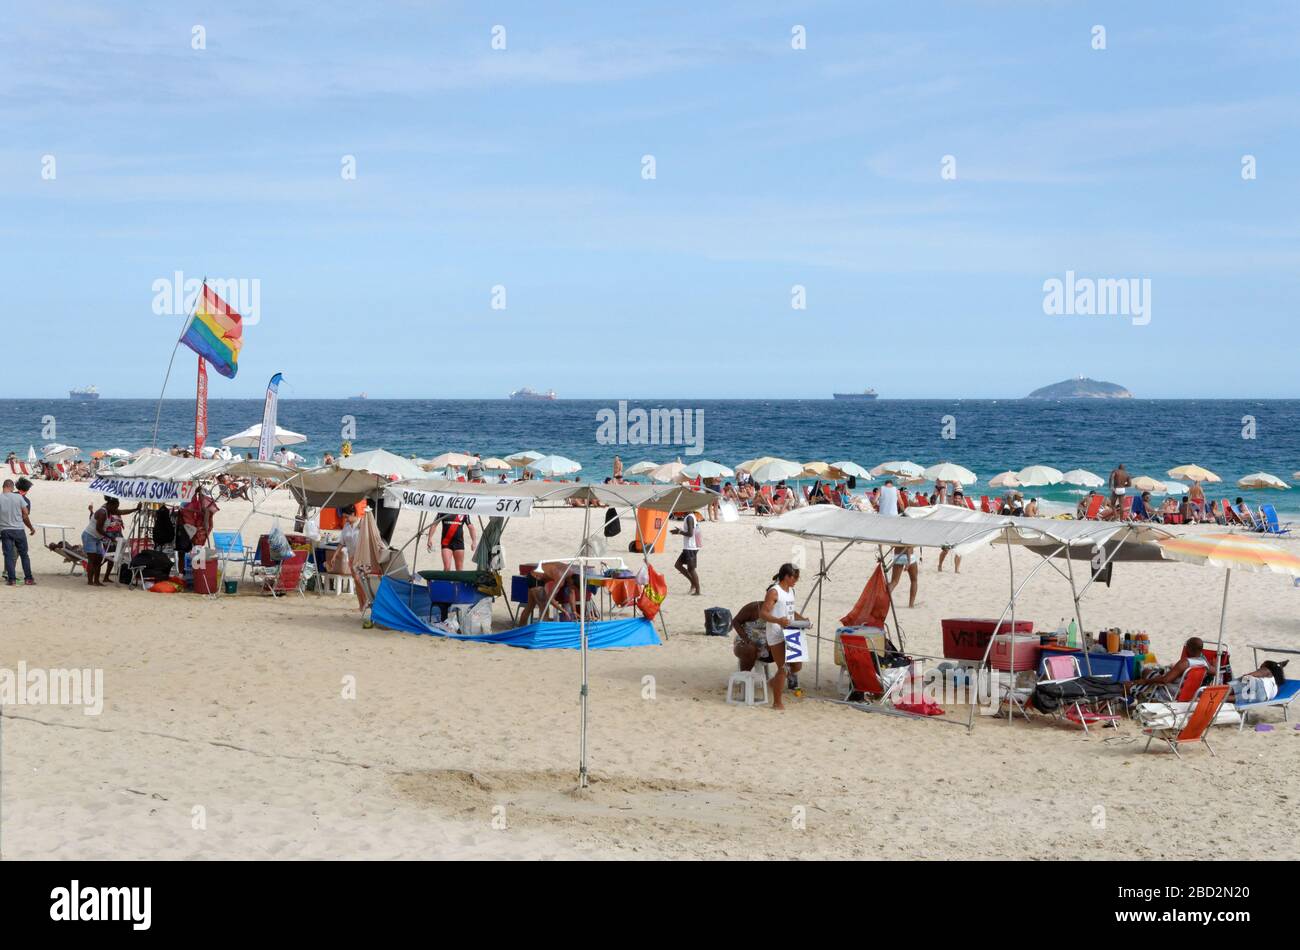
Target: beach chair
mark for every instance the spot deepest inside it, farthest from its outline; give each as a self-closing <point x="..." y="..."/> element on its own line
<point x="1192" y="724"/>
<point x="138" y="546"/>
<point x="20" y="468"/>
<point x="1247" y="520"/>
<point x="72" y="554"/>
<point x="970" y="503"/>
<point x="986" y="506"/>
<point x="1094" y="506"/>
<point x="1272" y="525"/>
<point x="1126" y="508"/>
<point x="860" y="664"/>
<point x="1285" y="694"/>
<point x="1065" y="669"/>
<point x="288" y="579"/>
<point x="1187" y="687"/>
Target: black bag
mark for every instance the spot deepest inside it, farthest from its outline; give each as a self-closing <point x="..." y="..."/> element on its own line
<point x="717" y="621"/>
<point x="156" y="565"/>
<point x="612" y="525"/>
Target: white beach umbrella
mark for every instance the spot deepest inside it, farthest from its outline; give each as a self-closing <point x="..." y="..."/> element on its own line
<point x="668" y="472"/>
<point x="850" y="468"/>
<point x="1080" y="476"/>
<point x="382" y="463"/>
<point x="706" y="469"/>
<point x="950" y="472"/>
<point x="520" y="459"/>
<point x="776" y="470"/>
<point x="910" y="469"/>
<point x="147" y="451"/>
<point x="1005" y="480"/>
<point x="1261" y="480"/>
<point x="58" y="452"/>
<point x="450" y="460"/>
<point x="117" y="453"/>
<point x="641" y="468"/>
<point x="1175" y="488"/>
<point x="251" y="437"/>
<point x="31" y="454"/>
<point x="552" y="465"/>
<point x="1039" y="475"/>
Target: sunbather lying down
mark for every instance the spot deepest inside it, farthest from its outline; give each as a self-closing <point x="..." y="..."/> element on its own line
<point x="1259" y="685"/>
<point x="71" y="552"/>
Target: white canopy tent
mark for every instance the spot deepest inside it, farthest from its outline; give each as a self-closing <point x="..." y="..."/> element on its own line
<point x="964" y="531"/>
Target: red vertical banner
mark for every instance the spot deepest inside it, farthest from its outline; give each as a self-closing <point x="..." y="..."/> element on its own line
<point x="201" y="411"/>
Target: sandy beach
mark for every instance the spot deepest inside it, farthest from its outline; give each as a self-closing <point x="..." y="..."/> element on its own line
<point x="226" y="733"/>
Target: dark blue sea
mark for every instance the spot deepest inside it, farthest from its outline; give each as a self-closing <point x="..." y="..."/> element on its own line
<point x="1232" y="438"/>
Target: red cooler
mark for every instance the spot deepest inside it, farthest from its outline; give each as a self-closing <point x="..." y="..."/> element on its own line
<point x="967" y="638"/>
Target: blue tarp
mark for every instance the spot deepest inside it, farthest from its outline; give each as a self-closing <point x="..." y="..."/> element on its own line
<point x="399" y="605"/>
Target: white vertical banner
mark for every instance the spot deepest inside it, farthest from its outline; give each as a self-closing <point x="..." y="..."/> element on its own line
<point x="266" y="447"/>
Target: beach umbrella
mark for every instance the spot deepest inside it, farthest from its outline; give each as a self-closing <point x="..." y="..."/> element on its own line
<point x="776" y="470"/>
<point x="117" y="453"/>
<point x="898" y="468"/>
<point x="31" y="454"/>
<point x="706" y="469"/>
<point x="58" y="452"/>
<point x="950" y="472"/>
<point x="1193" y="473"/>
<point x="450" y="460"/>
<point x="147" y="450"/>
<point x="1080" y="476"/>
<point x="668" y="472"/>
<point x="552" y="465"/>
<point x="850" y="468"/>
<point x="1175" y="488"/>
<point x="1231" y="552"/>
<point x="381" y="463"/>
<point x="251" y="437"/>
<point x="641" y="468"/>
<point x="1261" y="480"/>
<point x="1039" y="475"/>
<point x="752" y="464"/>
<point x="1147" y="483"/>
<point x="815" y="470"/>
<point x="520" y="459"/>
<point x="495" y="465"/>
<point x="1005" y="480"/>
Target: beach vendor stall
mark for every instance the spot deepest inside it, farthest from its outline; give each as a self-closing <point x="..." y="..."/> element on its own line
<point x="960" y="531"/>
<point x="155" y="486"/>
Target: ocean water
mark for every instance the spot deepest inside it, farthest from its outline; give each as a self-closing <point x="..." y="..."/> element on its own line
<point x="1232" y="438"/>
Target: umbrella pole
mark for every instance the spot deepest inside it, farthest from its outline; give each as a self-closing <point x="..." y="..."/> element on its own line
<point x="821" y="576"/>
<point x="1078" y="614"/>
<point x="582" y="633"/>
<point x="1223" y="620"/>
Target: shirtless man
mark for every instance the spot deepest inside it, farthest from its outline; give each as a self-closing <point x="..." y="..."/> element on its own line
<point x="1119" y="483"/>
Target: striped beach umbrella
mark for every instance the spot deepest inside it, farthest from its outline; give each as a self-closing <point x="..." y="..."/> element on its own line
<point x="1231" y="552"/>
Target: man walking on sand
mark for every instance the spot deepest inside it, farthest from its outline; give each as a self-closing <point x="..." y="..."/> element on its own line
<point x="13" y="520"/>
<point x="1119" y="484"/>
<point x="686" y="561"/>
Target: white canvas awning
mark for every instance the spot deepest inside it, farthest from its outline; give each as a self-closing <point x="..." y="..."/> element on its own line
<point x="959" y="530"/>
<point x="653" y="497"/>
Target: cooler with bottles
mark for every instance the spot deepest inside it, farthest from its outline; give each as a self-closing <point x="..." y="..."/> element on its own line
<point x="967" y="639"/>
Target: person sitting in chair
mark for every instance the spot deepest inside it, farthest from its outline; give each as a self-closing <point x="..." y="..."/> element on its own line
<point x="1195" y="656"/>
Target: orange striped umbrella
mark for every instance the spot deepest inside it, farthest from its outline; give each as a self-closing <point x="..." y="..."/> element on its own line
<point x="1232" y="552"/>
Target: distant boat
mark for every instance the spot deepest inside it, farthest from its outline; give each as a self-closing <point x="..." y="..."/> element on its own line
<point x="359" y="396"/>
<point x="529" y="395"/>
<point x="83" y="394"/>
<point x="865" y="394"/>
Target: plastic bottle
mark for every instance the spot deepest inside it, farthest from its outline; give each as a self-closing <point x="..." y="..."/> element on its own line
<point x="1072" y="635"/>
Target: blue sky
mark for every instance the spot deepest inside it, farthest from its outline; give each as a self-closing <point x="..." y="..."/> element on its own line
<point x="522" y="167"/>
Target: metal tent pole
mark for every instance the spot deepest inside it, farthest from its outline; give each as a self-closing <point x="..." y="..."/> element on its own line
<point x="582" y="635"/>
<point x="1223" y="620"/>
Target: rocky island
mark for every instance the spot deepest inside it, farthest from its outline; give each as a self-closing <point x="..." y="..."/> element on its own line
<point x="1081" y="388"/>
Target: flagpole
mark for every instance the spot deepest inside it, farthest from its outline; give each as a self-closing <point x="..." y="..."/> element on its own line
<point x="190" y="319"/>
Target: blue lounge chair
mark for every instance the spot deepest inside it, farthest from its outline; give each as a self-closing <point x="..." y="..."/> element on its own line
<point x="1271" y="523"/>
<point x="1285" y="694"/>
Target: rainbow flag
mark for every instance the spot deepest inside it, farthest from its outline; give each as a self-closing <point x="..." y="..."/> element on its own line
<point x="216" y="333"/>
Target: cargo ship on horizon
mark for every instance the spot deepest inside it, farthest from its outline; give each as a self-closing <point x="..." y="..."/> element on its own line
<point x="83" y="394"/>
<point x="865" y="394"/>
<point x="529" y="395"/>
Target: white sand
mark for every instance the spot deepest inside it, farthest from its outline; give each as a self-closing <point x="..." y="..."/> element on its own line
<point x="233" y="706"/>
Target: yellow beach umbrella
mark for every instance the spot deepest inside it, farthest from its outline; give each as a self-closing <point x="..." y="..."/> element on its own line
<point x="815" y="470"/>
<point x="1147" y="483"/>
<point x="1193" y="473"/>
<point x="495" y="465"/>
<point x="752" y="464"/>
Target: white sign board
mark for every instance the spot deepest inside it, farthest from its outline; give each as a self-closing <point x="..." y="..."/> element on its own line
<point x="794" y="648"/>
<point x="452" y="503"/>
<point x="154" y="491"/>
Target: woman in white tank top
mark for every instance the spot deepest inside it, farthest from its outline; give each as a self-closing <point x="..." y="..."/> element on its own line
<point x="777" y="611"/>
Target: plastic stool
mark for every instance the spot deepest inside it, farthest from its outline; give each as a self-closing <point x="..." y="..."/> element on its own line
<point x="338" y="583"/>
<point x="750" y="680"/>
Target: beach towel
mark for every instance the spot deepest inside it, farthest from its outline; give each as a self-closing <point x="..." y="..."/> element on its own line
<point x="873" y="603"/>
